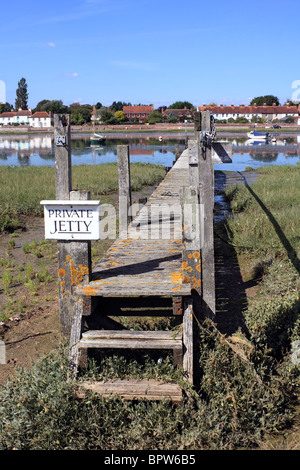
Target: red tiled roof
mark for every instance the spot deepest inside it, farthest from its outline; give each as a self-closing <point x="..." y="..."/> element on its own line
<point x="40" y="114"/>
<point x="137" y="109"/>
<point x="16" y="113"/>
<point x="250" y="109"/>
<point x="178" y="112"/>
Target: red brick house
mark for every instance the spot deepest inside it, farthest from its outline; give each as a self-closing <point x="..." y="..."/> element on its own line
<point x="137" y="112"/>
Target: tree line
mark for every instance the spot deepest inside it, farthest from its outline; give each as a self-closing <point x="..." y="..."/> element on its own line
<point x="81" y="113"/>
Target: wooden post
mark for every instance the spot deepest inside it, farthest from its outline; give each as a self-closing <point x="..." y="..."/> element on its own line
<point x="187" y="338"/>
<point x="124" y="188"/>
<point x="74" y="257"/>
<point x="191" y="254"/>
<point x="206" y="199"/>
<point x="63" y="164"/>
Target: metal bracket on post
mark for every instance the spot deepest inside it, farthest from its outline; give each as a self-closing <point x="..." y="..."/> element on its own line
<point x="60" y="140"/>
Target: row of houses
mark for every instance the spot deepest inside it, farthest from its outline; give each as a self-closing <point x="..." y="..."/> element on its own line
<point x="43" y="119"/>
<point x="221" y="112"/>
<point x="142" y="112"/>
<point x="40" y="119"/>
<point x="268" y="113"/>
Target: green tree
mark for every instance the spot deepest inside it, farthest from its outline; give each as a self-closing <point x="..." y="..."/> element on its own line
<point x="120" y="116"/>
<point x="155" y="117"/>
<point x="182" y="105"/>
<point x="22" y="95"/>
<point x="269" y="100"/>
<point x="118" y="106"/>
<point x="82" y="110"/>
<point x="54" y="106"/>
<point x="39" y="106"/>
<point x="105" y="116"/>
<point x="173" y="119"/>
<point x="5" y="107"/>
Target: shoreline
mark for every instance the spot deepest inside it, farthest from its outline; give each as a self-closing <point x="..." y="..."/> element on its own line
<point x="125" y="130"/>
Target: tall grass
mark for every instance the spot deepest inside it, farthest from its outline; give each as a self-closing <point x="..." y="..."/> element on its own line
<point x="266" y="214"/>
<point x="22" y="189"/>
<point x="265" y="230"/>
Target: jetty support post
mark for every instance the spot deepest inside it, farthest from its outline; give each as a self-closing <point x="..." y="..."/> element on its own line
<point x="124" y="188"/>
<point x="204" y="133"/>
<point x="191" y="271"/>
<point x="74" y="257"/>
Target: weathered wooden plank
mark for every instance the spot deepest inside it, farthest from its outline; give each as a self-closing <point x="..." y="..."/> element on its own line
<point x="133" y="389"/>
<point x="129" y="344"/>
<point x="145" y="266"/>
<point x="130" y="339"/>
<point x="137" y="334"/>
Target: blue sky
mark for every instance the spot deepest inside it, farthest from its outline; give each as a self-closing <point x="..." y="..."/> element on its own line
<point x="150" y="51"/>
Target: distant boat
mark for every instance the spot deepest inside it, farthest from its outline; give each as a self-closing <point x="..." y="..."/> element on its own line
<point x="97" y="139"/>
<point x="258" y="135"/>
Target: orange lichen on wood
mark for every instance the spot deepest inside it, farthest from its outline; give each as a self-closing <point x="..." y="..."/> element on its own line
<point x="77" y="274"/>
<point x="88" y="290"/>
<point x="61" y="272"/>
<point x="176" y="288"/>
<point x="176" y="278"/>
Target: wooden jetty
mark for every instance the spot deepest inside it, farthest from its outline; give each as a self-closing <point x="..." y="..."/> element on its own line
<point x="161" y="264"/>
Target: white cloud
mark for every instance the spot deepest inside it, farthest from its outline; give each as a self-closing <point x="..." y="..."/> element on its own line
<point x="51" y="44"/>
<point x="73" y="75"/>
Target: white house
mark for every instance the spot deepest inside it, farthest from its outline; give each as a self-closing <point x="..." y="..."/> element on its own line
<point x="15" y="117"/>
<point x="269" y="113"/>
<point x="40" y="119"/>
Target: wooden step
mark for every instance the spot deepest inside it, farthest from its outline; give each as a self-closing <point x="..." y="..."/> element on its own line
<point x="130" y="339"/>
<point x="132" y="389"/>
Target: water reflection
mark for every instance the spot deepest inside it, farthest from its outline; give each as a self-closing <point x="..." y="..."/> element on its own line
<point x="39" y="150"/>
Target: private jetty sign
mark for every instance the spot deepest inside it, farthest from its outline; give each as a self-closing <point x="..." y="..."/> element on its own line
<point x="72" y="220"/>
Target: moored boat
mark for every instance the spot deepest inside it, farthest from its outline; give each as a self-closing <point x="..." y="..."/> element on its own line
<point x="97" y="139"/>
<point x="258" y="135"/>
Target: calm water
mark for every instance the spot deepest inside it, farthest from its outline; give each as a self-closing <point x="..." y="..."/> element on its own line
<point x="39" y="151"/>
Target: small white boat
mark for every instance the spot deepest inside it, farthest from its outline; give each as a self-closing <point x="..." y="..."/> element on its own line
<point x="97" y="139"/>
<point x="258" y="135"/>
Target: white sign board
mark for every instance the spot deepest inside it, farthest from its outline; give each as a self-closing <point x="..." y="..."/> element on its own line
<point x="68" y="220"/>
